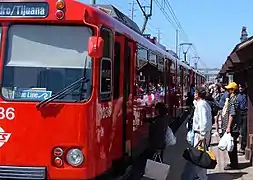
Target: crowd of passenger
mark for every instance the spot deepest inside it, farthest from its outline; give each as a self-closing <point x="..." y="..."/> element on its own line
<point x="150" y="94"/>
<point x="231" y="98"/>
<point x="212" y="104"/>
<point x="215" y="103"/>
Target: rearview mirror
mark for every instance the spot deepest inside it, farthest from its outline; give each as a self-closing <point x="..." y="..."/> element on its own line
<point x="95" y="47"/>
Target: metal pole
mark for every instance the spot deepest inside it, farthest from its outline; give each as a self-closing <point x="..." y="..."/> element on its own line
<point x="185" y="57"/>
<point x="159" y="35"/>
<point x="177" y="42"/>
<point x="132" y="10"/>
<point x="93" y="2"/>
<point x="196" y="66"/>
<point x="196" y="62"/>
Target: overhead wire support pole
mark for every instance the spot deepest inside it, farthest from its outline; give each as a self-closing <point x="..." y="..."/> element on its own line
<point x="177" y="38"/>
<point x="132" y="9"/>
<point x="185" y="51"/>
<point x="158" y="35"/>
<point x="196" y="65"/>
<point x="196" y="62"/>
<point x="146" y="16"/>
<point x="93" y="2"/>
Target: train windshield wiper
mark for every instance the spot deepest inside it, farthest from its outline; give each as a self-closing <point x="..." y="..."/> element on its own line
<point x="64" y="92"/>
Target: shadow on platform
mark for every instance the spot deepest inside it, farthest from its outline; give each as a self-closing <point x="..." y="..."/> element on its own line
<point x="173" y="154"/>
<point x="244" y="165"/>
<point x="226" y="175"/>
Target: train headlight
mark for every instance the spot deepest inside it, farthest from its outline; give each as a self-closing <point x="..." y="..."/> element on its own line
<point x="75" y="157"/>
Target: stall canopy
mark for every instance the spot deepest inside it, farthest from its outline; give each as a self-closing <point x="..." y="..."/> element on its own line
<point x="239" y="58"/>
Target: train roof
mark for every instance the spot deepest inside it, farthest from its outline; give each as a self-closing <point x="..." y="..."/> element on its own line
<point x="111" y="17"/>
<point x="105" y="16"/>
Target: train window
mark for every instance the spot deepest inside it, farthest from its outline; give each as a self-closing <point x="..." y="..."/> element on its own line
<point x="105" y="78"/>
<point x="116" y="70"/>
<point x="160" y="60"/>
<point x="179" y="75"/>
<point x="105" y="66"/>
<point x="128" y="69"/>
<point x="107" y="36"/>
<point x="152" y="58"/>
<point x="47" y="59"/>
<point x="142" y="53"/>
<point x="142" y="57"/>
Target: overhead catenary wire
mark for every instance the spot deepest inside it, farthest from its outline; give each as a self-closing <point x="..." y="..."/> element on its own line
<point x="168" y="12"/>
<point x="167" y="16"/>
<point x="171" y="17"/>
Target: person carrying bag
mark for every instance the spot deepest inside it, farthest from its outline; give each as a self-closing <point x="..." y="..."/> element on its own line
<point x="158" y="129"/>
<point x="160" y="136"/>
<point x="155" y="168"/>
<point x="201" y="127"/>
<point x="170" y="138"/>
<point x="200" y="156"/>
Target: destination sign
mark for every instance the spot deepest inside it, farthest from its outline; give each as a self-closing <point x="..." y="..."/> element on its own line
<point x="24" y="9"/>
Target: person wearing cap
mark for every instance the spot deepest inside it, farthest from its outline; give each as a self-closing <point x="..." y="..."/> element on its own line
<point x="202" y="126"/>
<point x="243" y="103"/>
<point x="157" y="129"/>
<point x="231" y="123"/>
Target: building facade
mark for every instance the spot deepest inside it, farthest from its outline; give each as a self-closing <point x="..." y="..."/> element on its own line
<point x="210" y="73"/>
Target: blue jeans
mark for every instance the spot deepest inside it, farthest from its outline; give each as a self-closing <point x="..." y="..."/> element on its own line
<point x="189" y="172"/>
<point x="192" y="172"/>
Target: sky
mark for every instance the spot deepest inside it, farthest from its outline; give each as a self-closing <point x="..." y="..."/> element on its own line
<point x="213" y="26"/>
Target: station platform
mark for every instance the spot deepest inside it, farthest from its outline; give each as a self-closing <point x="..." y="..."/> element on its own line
<point x="245" y="171"/>
<point x="173" y="156"/>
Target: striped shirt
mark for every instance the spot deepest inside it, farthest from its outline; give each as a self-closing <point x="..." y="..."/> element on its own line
<point x="233" y="109"/>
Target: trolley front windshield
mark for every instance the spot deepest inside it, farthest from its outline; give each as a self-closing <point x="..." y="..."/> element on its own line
<point x="41" y="60"/>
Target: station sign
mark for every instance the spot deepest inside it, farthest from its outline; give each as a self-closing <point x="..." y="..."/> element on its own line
<point x="24" y="9"/>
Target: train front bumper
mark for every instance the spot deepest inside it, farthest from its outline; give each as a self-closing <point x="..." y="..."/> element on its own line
<point x="16" y="172"/>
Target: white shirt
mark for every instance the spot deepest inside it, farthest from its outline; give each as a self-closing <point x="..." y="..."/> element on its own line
<point x="202" y="118"/>
<point x="195" y="103"/>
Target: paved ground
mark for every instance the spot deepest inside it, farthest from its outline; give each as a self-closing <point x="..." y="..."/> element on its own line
<point x="174" y="158"/>
<point x="173" y="154"/>
<point x="245" y="172"/>
<point x="139" y="167"/>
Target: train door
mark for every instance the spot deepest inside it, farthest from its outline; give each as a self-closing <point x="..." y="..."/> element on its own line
<point x="168" y="97"/>
<point x="181" y="85"/>
<point x="123" y="81"/>
<point x="128" y="96"/>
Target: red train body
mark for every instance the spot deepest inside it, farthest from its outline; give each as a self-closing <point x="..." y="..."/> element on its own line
<point x="52" y="130"/>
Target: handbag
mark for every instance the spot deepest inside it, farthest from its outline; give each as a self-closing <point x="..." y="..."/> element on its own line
<point x="156" y="169"/>
<point x="190" y="137"/>
<point x="200" y="156"/>
<point x="170" y="138"/>
<point x="226" y="143"/>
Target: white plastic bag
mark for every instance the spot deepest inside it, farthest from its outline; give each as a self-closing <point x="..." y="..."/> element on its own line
<point x="190" y="137"/>
<point x="230" y="142"/>
<point x="223" y="143"/>
<point x="226" y="143"/>
<point x="156" y="170"/>
<point x="170" y="138"/>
